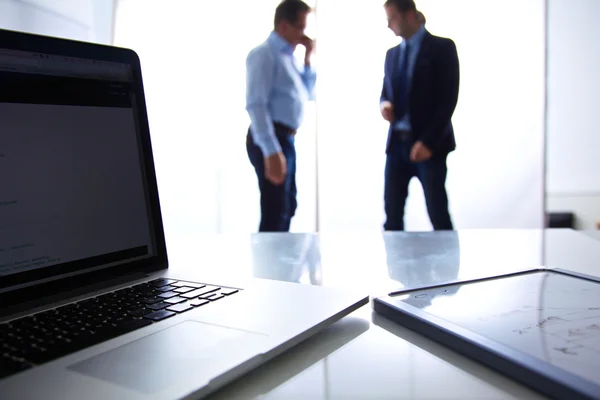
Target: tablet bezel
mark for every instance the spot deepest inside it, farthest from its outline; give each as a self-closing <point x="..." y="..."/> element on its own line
<point x="533" y="372"/>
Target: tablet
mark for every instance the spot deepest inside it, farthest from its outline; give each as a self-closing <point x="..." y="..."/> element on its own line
<point x="540" y="327"/>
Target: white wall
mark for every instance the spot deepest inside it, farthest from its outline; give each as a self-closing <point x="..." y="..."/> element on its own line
<point x="585" y="206"/>
<point x="573" y="132"/>
<point x="88" y="20"/>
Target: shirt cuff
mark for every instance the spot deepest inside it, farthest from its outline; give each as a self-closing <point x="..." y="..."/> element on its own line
<point x="269" y="146"/>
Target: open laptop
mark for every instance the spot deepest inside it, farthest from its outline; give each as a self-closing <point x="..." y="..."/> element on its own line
<point x="87" y="307"/>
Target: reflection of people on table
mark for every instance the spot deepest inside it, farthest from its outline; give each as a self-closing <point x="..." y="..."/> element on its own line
<point x="287" y="257"/>
<point x="423" y="259"/>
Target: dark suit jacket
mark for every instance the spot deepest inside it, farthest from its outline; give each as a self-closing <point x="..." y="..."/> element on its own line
<point x="433" y="92"/>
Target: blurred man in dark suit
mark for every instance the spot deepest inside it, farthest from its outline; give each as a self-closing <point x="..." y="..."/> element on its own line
<point x="419" y="95"/>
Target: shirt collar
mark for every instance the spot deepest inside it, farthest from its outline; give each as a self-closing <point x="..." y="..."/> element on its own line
<point x="279" y="44"/>
<point x="417" y="38"/>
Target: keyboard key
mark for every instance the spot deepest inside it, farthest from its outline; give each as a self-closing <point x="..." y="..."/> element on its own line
<point x="167" y="295"/>
<point x="166" y="288"/>
<point x="216" y="297"/>
<point x="160" y="315"/>
<point x="190" y="284"/>
<point x="184" y="289"/>
<point x="108" y="331"/>
<point x="179" y="308"/>
<point x="158" y="306"/>
<point x="34" y="353"/>
<point x="229" y="292"/>
<point x="125" y="327"/>
<point x="151" y="300"/>
<point x="161" y="282"/>
<point x="200" y="292"/>
<point x="175" y="300"/>
<point x="198" y="302"/>
<point x="140" y="312"/>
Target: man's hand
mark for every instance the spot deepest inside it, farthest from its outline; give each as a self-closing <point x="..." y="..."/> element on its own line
<point x="276" y="168"/>
<point x="419" y="152"/>
<point x="387" y="111"/>
<point x="309" y="44"/>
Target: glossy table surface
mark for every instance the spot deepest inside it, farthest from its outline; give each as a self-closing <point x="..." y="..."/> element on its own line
<point x="364" y="356"/>
<point x="592" y="233"/>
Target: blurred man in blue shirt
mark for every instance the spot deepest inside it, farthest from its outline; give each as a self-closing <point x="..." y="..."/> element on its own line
<point x="276" y="92"/>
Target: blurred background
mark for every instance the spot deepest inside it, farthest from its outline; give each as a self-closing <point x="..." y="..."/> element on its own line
<point x="526" y="122"/>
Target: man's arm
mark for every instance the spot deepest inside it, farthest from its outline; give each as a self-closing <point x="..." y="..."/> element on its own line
<point x="384" y="94"/>
<point x="309" y="78"/>
<point x="259" y="83"/>
<point x="447" y="96"/>
<point x="385" y="105"/>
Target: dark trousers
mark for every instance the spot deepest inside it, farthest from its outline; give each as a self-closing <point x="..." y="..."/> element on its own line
<point x="399" y="170"/>
<point x="277" y="202"/>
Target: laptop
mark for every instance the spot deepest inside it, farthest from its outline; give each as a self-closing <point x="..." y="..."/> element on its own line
<point x="88" y="307"/>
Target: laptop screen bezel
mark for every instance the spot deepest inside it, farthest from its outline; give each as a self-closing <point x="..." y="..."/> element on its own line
<point x="58" y="274"/>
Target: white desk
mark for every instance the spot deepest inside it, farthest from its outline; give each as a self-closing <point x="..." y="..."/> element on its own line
<point x="592" y="233"/>
<point x="364" y="356"/>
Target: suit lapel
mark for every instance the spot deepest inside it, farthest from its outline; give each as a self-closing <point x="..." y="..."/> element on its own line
<point x="395" y="60"/>
<point x="424" y="52"/>
<point x="422" y="58"/>
<point x="393" y="68"/>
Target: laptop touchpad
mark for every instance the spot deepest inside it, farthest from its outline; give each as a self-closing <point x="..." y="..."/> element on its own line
<point x="190" y="349"/>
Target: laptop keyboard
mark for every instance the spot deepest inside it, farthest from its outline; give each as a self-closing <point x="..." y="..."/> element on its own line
<point x="39" y="338"/>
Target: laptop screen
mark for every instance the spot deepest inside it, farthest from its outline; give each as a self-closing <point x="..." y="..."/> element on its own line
<point x="73" y="195"/>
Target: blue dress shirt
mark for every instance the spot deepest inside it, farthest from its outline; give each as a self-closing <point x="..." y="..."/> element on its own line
<point x="276" y="91"/>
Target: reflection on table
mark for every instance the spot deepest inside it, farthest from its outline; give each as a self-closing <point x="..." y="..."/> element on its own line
<point x="420" y="259"/>
<point x="287" y="257"/>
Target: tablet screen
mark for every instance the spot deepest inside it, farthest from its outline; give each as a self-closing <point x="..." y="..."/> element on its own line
<point x="547" y="315"/>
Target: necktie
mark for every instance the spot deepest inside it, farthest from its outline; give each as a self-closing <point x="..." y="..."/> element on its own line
<point x="401" y="85"/>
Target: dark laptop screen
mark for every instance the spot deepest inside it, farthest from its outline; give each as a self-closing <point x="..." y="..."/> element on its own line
<point x="72" y="191"/>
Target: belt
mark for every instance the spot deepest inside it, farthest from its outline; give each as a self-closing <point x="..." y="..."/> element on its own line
<point x="283" y="128"/>
<point x="403" y="134"/>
